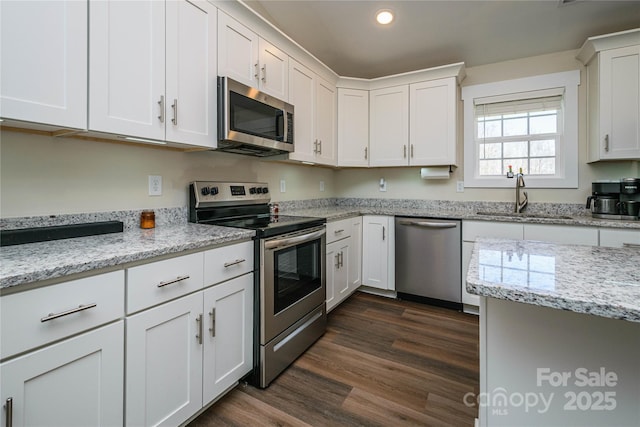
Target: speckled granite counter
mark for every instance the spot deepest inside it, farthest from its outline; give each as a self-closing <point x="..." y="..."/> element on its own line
<point x="541" y="213"/>
<point x="49" y="260"/>
<point x="584" y="279"/>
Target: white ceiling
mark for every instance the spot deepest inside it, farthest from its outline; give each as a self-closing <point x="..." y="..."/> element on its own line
<point x="344" y="36"/>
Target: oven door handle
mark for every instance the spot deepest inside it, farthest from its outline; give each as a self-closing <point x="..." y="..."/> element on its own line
<point x="290" y="241"/>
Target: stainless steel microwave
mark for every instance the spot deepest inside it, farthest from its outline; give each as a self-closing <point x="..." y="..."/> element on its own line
<point x="252" y="122"/>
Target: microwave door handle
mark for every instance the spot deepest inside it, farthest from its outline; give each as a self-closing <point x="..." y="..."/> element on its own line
<point x="290" y="241"/>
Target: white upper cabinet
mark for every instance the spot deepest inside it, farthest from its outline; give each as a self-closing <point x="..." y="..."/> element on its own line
<point x="389" y="126"/>
<point x="432" y="122"/>
<point x="142" y="86"/>
<point x="353" y="127"/>
<point x="251" y="60"/>
<point x="613" y="74"/>
<point x="314" y="101"/>
<point x="44" y="62"/>
<point x="191" y="67"/>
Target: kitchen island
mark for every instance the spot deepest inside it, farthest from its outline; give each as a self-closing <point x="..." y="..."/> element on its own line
<point x="559" y="334"/>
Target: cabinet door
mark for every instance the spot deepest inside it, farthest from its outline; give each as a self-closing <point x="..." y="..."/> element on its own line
<point x="353" y="127"/>
<point x="620" y="103"/>
<point x="191" y="67"/>
<point x="375" y="251"/>
<point x="164" y="363"/>
<point x="237" y="51"/>
<point x="325" y="122"/>
<point x="355" y="254"/>
<point x="561" y="234"/>
<point x="228" y="335"/>
<point x="44" y="62"/>
<point x="332" y="260"/>
<point x="274" y="70"/>
<point x="76" y="382"/>
<point x="432" y="132"/>
<point x="301" y="96"/>
<point x="389" y="126"/>
<point x="127" y="68"/>
<point x="467" y="298"/>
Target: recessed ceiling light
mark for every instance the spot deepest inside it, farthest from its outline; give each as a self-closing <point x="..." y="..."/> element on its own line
<point x="384" y="16"/>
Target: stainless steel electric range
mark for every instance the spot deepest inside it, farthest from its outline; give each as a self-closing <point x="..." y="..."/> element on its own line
<point x="290" y="282"/>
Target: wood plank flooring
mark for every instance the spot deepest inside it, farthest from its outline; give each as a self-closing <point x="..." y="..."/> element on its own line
<point x="382" y="362"/>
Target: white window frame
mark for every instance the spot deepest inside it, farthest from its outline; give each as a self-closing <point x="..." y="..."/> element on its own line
<point x="567" y="168"/>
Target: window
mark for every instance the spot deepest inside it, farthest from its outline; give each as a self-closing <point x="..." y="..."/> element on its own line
<point x="526" y="124"/>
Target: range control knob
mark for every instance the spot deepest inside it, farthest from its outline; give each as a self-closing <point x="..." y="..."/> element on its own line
<point x="259" y="190"/>
<point x="252" y="190"/>
<point x="214" y="191"/>
<point x="265" y="190"/>
<point x="205" y="191"/>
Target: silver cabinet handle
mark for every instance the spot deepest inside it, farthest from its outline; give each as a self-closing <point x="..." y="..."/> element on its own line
<point x="277" y="243"/>
<point x="315" y="146"/>
<point x="320" y="145"/>
<point x="631" y="245"/>
<point x="412" y="151"/>
<point x="199" y="333"/>
<point x="341" y="259"/>
<point x="365" y="152"/>
<point x="337" y="257"/>
<point x="81" y="307"/>
<point x="212" y="329"/>
<point x="238" y="261"/>
<point x="161" y="104"/>
<point x="428" y="224"/>
<point x="171" y="282"/>
<point x="255" y="75"/>
<point x="383" y="230"/>
<point x="606" y="142"/>
<point x="338" y="231"/>
<point x="8" y="406"/>
<point x="404" y="151"/>
<point x="264" y="73"/>
<point x="174" y="106"/>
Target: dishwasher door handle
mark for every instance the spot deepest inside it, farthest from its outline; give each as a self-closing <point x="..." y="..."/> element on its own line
<point x="429" y="224"/>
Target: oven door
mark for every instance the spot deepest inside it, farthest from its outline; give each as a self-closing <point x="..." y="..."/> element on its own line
<point x="292" y="279"/>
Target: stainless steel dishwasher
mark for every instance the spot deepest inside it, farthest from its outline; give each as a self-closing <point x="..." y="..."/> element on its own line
<point x="428" y="261"/>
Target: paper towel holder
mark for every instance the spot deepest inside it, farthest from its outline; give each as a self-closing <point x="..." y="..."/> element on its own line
<point x="436" y="172"/>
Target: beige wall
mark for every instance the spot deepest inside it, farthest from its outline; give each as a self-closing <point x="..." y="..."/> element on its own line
<point x="406" y="182"/>
<point x="42" y="175"/>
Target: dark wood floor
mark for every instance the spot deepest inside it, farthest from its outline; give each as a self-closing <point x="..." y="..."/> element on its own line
<point x="382" y="362"/>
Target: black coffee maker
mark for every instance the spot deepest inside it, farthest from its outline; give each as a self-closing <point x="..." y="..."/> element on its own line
<point x="615" y="199"/>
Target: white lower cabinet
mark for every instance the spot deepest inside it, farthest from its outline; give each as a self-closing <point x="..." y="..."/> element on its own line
<point x="164" y="363"/>
<point x="75" y="382"/>
<point x="185" y="353"/>
<point x="620" y="238"/>
<point x="378" y="263"/>
<point x="343" y="259"/>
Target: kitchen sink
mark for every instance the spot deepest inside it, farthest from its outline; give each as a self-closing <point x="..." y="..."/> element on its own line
<point x="523" y="215"/>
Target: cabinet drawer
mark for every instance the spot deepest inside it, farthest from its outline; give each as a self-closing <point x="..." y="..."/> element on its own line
<point x="471" y="230"/>
<point x="337" y="230"/>
<point x="40" y="316"/>
<point x="561" y="234"/>
<point x="157" y="282"/>
<point x="619" y="238"/>
<point x="224" y="263"/>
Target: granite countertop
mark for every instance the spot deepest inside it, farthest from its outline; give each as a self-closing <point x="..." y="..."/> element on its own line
<point x="34" y="262"/>
<point x="335" y="213"/>
<point x="585" y="279"/>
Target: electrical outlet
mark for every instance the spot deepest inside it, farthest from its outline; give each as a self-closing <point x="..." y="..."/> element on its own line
<point x="155" y="185"/>
<point x="321" y="185"/>
<point x="383" y="184"/>
<point x="283" y="186"/>
<point x="460" y="186"/>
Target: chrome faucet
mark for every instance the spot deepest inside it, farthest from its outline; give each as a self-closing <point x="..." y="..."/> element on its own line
<point x="520" y="205"/>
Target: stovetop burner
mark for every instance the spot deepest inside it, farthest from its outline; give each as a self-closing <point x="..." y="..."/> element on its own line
<point x="241" y="205"/>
